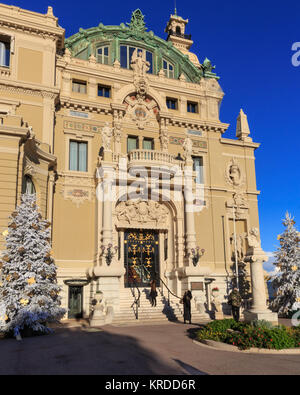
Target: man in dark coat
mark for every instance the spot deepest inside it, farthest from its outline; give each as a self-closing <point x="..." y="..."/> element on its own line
<point x="187" y="306"/>
<point x="153" y="293"/>
<point x="235" y="300"/>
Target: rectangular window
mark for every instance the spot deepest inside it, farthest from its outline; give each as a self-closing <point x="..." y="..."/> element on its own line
<point x="78" y="156"/>
<point x="172" y="104"/>
<point x="4" y="51"/>
<point x="192" y="107"/>
<point x="168" y="69"/>
<point x="79" y="86"/>
<point x="132" y="143"/>
<point x="148" y="144"/>
<point x="104" y="91"/>
<point x="198" y="168"/>
<point x="103" y="55"/>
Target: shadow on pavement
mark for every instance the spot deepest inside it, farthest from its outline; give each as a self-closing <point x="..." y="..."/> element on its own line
<point x="190" y="369"/>
<point x="76" y="351"/>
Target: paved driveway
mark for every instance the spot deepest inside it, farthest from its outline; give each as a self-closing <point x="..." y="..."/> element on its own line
<point x="131" y="350"/>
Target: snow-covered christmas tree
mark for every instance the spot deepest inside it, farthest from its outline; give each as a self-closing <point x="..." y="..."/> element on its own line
<point x="286" y="282"/>
<point x="29" y="294"/>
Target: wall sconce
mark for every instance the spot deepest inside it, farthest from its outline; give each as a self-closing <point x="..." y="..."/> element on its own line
<point x="196" y="255"/>
<point x="109" y="253"/>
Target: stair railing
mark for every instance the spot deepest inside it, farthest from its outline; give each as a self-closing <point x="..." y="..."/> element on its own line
<point x="136" y="301"/>
<point x="162" y="291"/>
<point x="169" y="291"/>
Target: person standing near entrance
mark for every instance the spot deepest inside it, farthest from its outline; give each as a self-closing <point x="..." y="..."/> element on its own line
<point x="187" y="297"/>
<point x="153" y="293"/>
<point x="235" y="300"/>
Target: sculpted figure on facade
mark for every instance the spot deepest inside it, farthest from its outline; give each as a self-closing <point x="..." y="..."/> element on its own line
<point x="164" y="138"/>
<point x="117" y="130"/>
<point x="139" y="65"/>
<point x="253" y="238"/>
<point x="188" y="147"/>
<point x="238" y="246"/>
<point x="107" y="136"/>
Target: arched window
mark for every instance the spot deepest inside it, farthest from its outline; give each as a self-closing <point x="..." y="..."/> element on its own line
<point x="103" y="55"/>
<point x="168" y="69"/>
<point x="28" y="186"/>
<point x="178" y="30"/>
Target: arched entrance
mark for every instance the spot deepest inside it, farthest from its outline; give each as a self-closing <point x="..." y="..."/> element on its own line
<point x="141" y="257"/>
<point x="145" y="230"/>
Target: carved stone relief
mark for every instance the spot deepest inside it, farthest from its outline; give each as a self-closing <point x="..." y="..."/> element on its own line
<point x="141" y="213"/>
<point x="233" y="174"/>
<point x="107" y="133"/>
<point x="78" y="189"/>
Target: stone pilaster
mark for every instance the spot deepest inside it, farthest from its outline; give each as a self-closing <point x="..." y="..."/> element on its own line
<point x="189" y="206"/>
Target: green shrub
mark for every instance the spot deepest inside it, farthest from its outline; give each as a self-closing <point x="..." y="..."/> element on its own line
<point x="245" y="336"/>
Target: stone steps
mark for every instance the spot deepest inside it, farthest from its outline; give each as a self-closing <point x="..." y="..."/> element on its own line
<point x="148" y="314"/>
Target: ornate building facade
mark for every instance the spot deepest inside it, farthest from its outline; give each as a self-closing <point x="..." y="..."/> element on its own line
<point x="117" y="131"/>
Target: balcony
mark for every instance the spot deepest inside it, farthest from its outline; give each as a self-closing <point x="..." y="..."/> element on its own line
<point x="185" y="36"/>
<point x="153" y="160"/>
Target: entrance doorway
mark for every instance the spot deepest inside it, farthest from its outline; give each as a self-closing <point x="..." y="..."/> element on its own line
<point x="75" y="301"/>
<point x="141" y="255"/>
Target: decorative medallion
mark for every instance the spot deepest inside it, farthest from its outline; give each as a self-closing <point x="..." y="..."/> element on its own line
<point x="233" y="174"/>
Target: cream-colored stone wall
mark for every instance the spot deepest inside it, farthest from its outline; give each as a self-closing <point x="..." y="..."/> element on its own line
<point x="36" y="92"/>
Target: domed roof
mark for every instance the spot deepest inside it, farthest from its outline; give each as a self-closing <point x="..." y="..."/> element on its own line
<point x="86" y="42"/>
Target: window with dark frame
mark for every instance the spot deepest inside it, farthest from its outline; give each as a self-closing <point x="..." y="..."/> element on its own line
<point x="132" y="143"/>
<point x="104" y="91"/>
<point x="79" y="86"/>
<point x="78" y="156"/>
<point x="192" y="107"/>
<point x="148" y="144"/>
<point x="172" y="104"/>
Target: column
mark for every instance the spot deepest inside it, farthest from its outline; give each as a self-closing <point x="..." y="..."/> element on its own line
<point x="189" y="206"/>
<point x="259" y="309"/>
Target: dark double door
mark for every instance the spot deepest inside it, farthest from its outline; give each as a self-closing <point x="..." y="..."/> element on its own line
<point x="141" y="248"/>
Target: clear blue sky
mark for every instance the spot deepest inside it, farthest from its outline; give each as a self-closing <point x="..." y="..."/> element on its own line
<point x="250" y="42"/>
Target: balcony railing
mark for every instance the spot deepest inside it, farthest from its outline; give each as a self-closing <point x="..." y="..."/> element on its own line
<point x="151" y="157"/>
<point x="185" y="36"/>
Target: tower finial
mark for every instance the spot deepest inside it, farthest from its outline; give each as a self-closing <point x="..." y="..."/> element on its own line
<point x="175" y="8"/>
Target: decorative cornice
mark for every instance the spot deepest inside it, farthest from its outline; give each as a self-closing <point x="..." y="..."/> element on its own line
<point x="85" y="105"/>
<point x="240" y="143"/>
<point x="28" y="89"/>
<point x="43" y="25"/>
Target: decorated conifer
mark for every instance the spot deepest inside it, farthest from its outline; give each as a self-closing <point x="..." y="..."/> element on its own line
<point x="29" y="294"/>
<point x="286" y="282"/>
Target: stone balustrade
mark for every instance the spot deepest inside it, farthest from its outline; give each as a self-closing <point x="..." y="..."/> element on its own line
<point x="152" y="157"/>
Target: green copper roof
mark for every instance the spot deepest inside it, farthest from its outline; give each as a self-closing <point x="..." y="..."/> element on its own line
<point x="86" y="42"/>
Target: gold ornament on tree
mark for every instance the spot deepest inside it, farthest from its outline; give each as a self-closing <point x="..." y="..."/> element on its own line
<point x="24" y="302"/>
<point x="31" y="281"/>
